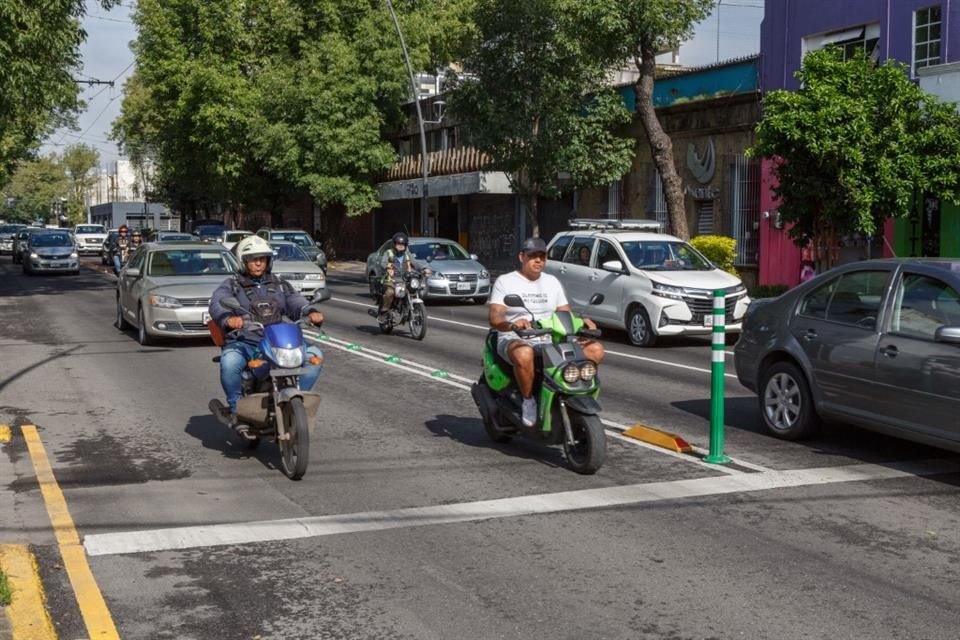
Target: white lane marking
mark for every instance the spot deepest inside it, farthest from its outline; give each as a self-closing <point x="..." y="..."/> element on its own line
<point x="453" y="381"/>
<point x="405" y="361"/>
<point x="612" y="353"/>
<point x="740" y="463"/>
<point x="602" y="498"/>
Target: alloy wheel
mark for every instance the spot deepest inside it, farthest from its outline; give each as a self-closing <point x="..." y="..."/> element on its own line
<point x="782" y="401"/>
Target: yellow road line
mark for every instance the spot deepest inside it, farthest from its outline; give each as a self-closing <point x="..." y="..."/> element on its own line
<point x="92" y="606"/>
<point x="4" y="433"/>
<point x="27" y="612"/>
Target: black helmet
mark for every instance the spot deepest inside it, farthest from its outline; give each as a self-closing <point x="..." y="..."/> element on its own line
<point x="400" y="238"/>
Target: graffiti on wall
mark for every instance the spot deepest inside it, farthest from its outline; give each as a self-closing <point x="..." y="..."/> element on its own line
<point x="491" y="235"/>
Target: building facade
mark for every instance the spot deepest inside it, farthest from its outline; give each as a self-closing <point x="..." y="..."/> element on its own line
<point x="917" y="33"/>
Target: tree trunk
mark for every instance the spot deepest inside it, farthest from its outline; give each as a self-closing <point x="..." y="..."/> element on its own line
<point x="333" y="217"/>
<point x="533" y="214"/>
<point x="661" y="146"/>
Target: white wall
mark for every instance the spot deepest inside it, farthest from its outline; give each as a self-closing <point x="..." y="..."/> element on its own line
<point x="942" y="80"/>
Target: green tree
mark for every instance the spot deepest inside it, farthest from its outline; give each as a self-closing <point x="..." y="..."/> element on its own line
<point x="40" y="53"/>
<point x="533" y="98"/>
<point x="856" y="144"/>
<point x="36" y="185"/>
<point x="78" y="163"/>
<point x="635" y="31"/>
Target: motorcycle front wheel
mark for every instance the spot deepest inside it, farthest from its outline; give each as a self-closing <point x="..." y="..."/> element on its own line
<point x="418" y="321"/>
<point x="295" y="451"/>
<point x="589" y="450"/>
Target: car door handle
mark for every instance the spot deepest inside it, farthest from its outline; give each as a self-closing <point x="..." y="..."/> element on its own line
<point x="594" y="276"/>
<point x="890" y="351"/>
<point x="810" y="335"/>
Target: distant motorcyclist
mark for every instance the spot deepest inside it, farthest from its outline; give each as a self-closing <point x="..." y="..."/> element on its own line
<point x="120" y="248"/>
<point x="396" y="262"/>
<point x="268" y="298"/>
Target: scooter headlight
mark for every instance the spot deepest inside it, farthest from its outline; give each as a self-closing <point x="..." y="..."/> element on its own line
<point x="571" y="374"/>
<point x="588" y="372"/>
<point x="414" y="284"/>
<point x="288" y="358"/>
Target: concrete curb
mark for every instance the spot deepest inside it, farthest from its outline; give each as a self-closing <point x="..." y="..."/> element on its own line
<point x="27" y="616"/>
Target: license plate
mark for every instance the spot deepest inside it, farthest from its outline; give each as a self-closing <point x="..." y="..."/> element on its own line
<point x="708" y="320"/>
<point x="464" y="286"/>
<point x="204" y="317"/>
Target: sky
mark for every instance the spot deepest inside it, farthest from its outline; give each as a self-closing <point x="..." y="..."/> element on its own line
<point x="106" y="56"/>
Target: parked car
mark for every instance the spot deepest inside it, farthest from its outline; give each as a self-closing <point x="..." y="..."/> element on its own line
<point x="50" y="250"/>
<point x="165" y="288"/>
<point x="105" y="247"/>
<point x="231" y="237"/>
<point x="300" y="238"/>
<point x="454" y="273"/>
<point x="89" y="237"/>
<point x="20" y="243"/>
<point x="7" y="233"/>
<point x="649" y="283"/>
<point x="293" y="265"/>
<point x="875" y="344"/>
<point x="170" y="236"/>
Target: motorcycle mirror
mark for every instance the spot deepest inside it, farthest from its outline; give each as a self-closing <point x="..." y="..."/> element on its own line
<point x="513" y="300"/>
<point x="231" y="303"/>
<point x="429" y="258"/>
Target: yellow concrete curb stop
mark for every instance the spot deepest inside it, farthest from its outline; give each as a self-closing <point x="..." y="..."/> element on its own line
<point x="5" y="433"/>
<point x="27" y="613"/>
<point x="658" y="438"/>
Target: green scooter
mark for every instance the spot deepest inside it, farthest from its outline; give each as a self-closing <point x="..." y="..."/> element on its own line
<point x="566" y="388"/>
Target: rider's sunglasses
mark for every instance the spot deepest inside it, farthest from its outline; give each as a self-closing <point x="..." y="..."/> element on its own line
<point x="537" y="256"/>
<point x="123" y="233"/>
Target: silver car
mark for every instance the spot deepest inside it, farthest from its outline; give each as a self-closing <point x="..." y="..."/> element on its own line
<point x="50" y="251"/>
<point x="875" y="344"/>
<point x="454" y="273"/>
<point x="165" y="288"/>
<point x="7" y="232"/>
<point x="294" y="266"/>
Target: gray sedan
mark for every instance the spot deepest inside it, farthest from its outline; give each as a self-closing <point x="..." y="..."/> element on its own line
<point x="294" y="266"/>
<point x="875" y="344"/>
<point x="50" y="251"/>
<point x="454" y="274"/>
<point x="165" y="288"/>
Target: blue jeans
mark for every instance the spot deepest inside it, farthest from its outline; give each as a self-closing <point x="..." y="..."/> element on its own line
<point x="233" y="361"/>
<point x="116" y="264"/>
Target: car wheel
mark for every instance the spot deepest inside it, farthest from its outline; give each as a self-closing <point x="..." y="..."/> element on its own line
<point x="372" y="283"/>
<point x="786" y="403"/>
<point x="639" y="330"/>
<point x="143" y="336"/>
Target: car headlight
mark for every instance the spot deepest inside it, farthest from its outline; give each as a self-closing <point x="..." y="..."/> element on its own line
<point x="666" y="291"/>
<point x="441" y="276"/>
<point x="74" y="255"/>
<point x="571" y="374"/>
<point x="484" y="274"/>
<point x="313" y="276"/>
<point x="33" y="254"/>
<point x="164" y="302"/>
<point x="588" y="372"/>
<point x="288" y="358"/>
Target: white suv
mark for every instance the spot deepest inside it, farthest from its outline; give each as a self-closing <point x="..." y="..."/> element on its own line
<point x="649" y="283"/>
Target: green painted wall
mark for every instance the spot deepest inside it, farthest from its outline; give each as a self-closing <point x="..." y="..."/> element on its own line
<point x="949" y="230"/>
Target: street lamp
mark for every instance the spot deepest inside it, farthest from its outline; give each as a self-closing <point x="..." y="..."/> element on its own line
<point x="425" y="160"/>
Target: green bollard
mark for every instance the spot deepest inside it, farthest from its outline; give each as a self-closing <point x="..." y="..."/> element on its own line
<point x="719" y="360"/>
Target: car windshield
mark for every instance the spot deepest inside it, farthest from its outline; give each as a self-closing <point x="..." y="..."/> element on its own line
<point x="51" y="240"/>
<point x="236" y="236"/>
<point x="438" y="251"/>
<point x="178" y="237"/>
<point x="10" y="228"/>
<point x="190" y="262"/>
<point x="663" y="255"/>
<point x="299" y="238"/>
<point x="288" y="253"/>
<point x="90" y="228"/>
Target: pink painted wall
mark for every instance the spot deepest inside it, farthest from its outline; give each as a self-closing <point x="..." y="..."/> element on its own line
<point x="779" y="256"/>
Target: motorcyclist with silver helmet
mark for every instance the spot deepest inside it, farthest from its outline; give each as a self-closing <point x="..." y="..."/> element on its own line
<point x="396" y="261"/>
<point x="268" y="298"/>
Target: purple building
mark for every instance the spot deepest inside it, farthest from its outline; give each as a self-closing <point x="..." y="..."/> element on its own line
<point x="915" y="32"/>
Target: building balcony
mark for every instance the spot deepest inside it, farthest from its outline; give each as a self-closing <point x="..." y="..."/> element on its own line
<point x="442" y="163"/>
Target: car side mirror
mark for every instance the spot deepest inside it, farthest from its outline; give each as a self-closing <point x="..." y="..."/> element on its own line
<point x="133" y="272"/>
<point x="596" y="298"/>
<point x="474" y="256"/>
<point x="513" y="300"/>
<point x="323" y="295"/>
<point x="949" y="335"/>
<point x="614" y="266"/>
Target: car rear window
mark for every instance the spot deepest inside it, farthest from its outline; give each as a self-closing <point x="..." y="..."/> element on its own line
<point x="853" y="298"/>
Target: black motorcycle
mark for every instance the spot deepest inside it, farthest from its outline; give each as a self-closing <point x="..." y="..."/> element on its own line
<point x="407" y="307"/>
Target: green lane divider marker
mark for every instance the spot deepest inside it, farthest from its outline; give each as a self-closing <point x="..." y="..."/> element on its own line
<point x="717" y="364"/>
<point x="323" y="336"/>
<point x="353" y="347"/>
<point x="440" y="373"/>
<point x="393" y="359"/>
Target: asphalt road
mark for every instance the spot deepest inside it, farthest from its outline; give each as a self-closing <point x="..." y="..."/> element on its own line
<point x="851" y="535"/>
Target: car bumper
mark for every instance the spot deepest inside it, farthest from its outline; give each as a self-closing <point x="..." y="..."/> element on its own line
<point x="184" y="322"/>
<point x="310" y="289"/>
<point x="679" y="318"/>
<point x="92" y="248"/>
<point x="453" y="289"/>
<point x="39" y="265"/>
<point x="6" y="246"/>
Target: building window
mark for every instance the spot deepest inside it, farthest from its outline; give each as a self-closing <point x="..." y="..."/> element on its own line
<point x="864" y="38"/>
<point x="657" y="205"/>
<point x="926" y="37"/>
<point x="744" y="220"/>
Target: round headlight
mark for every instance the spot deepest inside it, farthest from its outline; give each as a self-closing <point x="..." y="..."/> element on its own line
<point x="414" y="283"/>
<point x="571" y="374"/>
<point x="588" y="372"/>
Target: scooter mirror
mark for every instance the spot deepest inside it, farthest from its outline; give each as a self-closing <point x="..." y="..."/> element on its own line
<point x="231" y="303"/>
<point x="513" y="300"/>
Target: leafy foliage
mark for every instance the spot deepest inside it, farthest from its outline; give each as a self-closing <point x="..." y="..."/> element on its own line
<point x="39" y="53"/>
<point x="524" y="101"/>
<point x="720" y="250"/>
<point x="35" y="186"/>
<point x="856" y="144"/>
<point x="78" y="162"/>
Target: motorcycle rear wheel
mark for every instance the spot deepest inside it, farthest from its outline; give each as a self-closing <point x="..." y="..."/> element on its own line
<point x="418" y="321"/>
<point x="589" y="451"/>
<point x="295" y="452"/>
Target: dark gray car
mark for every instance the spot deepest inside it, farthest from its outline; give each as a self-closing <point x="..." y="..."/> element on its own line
<point x="875" y="344"/>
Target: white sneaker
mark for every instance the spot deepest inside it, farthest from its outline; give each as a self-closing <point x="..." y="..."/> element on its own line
<point x="529" y="412"/>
